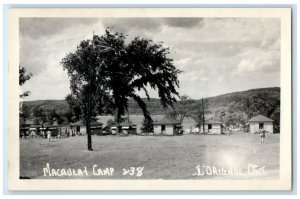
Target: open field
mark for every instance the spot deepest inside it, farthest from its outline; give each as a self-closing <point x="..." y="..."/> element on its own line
<point x="163" y="157"/>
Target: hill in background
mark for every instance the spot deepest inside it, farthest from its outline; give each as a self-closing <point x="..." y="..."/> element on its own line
<point x="228" y="107"/>
<point x="212" y="103"/>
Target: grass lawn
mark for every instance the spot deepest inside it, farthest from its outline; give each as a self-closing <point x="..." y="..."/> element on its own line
<point x="163" y="157"/>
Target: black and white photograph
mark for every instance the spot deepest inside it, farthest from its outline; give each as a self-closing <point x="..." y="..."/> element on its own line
<point x="138" y="98"/>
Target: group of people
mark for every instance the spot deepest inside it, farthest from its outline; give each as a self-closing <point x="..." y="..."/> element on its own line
<point x="46" y="134"/>
<point x="195" y="130"/>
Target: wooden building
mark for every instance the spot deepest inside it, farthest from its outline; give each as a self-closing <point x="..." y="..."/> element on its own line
<point x="213" y="127"/>
<point x="166" y="126"/>
<point x="81" y="127"/>
<point x="260" y="122"/>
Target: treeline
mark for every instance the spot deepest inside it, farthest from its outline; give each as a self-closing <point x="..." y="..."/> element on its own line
<point x="233" y="108"/>
<point x="46" y="112"/>
<point x="243" y="106"/>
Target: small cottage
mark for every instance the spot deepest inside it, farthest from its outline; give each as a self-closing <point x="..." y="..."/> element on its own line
<point x="166" y="126"/>
<point x="214" y="127"/>
<point x="260" y="122"/>
<point x="139" y="119"/>
<point x="81" y="127"/>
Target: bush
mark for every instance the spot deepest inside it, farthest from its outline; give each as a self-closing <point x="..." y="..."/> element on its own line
<point x="147" y="126"/>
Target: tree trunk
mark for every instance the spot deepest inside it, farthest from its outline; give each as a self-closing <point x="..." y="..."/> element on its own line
<point x="143" y="106"/>
<point x="119" y="115"/>
<point x="89" y="136"/>
<point x="88" y="124"/>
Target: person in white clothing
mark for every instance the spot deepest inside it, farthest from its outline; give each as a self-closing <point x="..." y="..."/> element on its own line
<point x="49" y="135"/>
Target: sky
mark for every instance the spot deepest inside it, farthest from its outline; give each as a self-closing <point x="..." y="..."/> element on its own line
<point x="216" y="55"/>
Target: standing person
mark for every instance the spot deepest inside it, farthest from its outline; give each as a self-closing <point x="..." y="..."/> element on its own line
<point x="68" y="132"/>
<point x="262" y="136"/>
<point x="64" y="134"/>
<point x="71" y="130"/>
<point x="49" y="135"/>
<point x="22" y="134"/>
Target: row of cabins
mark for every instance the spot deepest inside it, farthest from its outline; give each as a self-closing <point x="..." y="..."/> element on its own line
<point x="162" y="126"/>
<point x="29" y="128"/>
<point x="168" y="126"/>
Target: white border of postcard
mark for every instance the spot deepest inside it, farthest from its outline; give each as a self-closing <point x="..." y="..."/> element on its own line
<point x="283" y="183"/>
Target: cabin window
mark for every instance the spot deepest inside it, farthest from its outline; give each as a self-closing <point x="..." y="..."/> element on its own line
<point x="163" y="127"/>
<point x="209" y="126"/>
<point x="261" y="125"/>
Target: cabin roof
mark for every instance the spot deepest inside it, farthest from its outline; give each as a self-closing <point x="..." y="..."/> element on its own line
<point x="213" y="122"/>
<point x="80" y="123"/>
<point x="260" y="118"/>
<point x="165" y="121"/>
<point x="123" y="124"/>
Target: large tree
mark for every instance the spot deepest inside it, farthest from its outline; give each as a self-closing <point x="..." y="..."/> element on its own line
<point x="88" y="83"/>
<point x="138" y="66"/>
<point x="117" y="71"/>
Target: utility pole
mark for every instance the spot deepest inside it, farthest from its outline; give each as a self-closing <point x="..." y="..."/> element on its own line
<point x="88" y="122"/>
<point x="203" y="119"/>
<point x="128" y="119"/>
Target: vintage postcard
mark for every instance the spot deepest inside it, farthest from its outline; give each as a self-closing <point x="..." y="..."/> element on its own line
<point x="150" y="99"/>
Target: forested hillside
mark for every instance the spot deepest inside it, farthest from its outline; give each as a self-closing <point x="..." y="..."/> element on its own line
<point x="232" y="108"/>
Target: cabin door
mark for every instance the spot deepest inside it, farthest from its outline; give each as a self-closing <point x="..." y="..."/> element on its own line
<point x="163" y="129"/>
<point x="209" y="128"/>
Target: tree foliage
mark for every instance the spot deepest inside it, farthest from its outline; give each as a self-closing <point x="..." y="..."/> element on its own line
<point x="85" y="66"/>
<point x="51" y="115"/>
<point x="118" y="71"/>
<point x="39" y="115"/>
<point x="110" y="122"/>
<point x="266" y="104"/>
<point x="24" y="114"/>
<point x="197" y="112"/>
<point x="74" y="107"/>
<point x="147" y="126"/>
<point x="23" y="77"/>
<point x="182" y="109"/>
